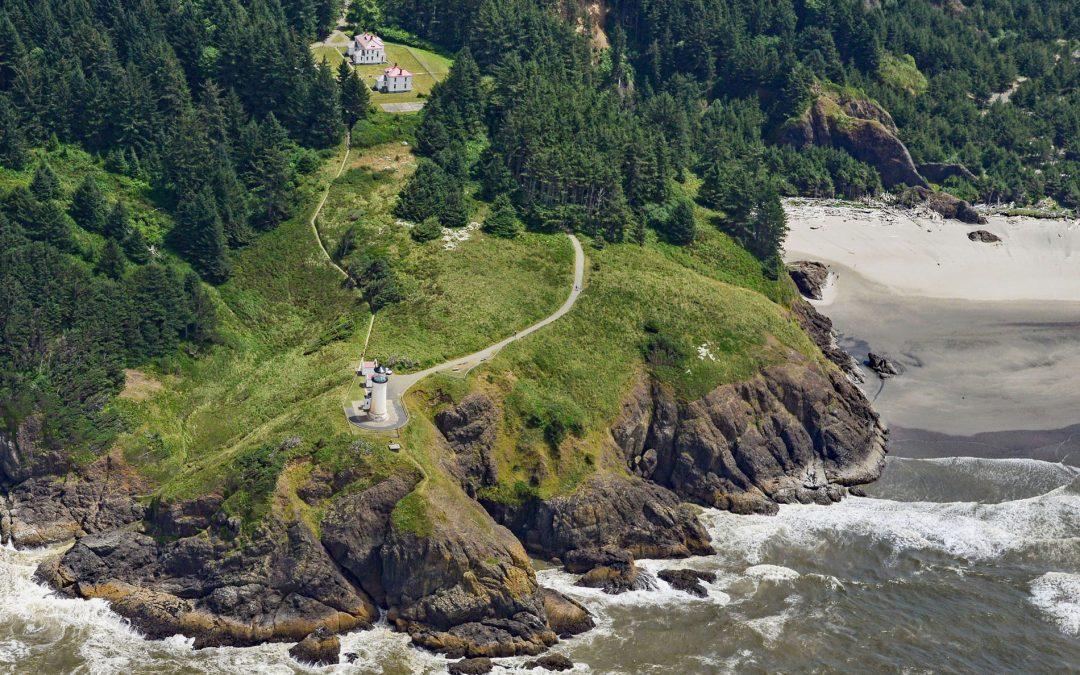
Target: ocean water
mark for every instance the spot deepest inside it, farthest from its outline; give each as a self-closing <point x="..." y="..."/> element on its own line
<point x="951" y="565"/>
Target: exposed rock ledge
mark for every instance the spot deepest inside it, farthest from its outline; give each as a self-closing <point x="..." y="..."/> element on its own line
<point x="464" y="589"/>
<point x="798" y="432"/>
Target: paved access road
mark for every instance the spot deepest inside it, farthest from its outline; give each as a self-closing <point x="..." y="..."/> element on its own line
<point x="399" y="384"/>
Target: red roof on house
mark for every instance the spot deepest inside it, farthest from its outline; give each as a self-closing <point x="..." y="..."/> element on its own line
<point x="369" y="41"/>
<point x="397" y="71"/>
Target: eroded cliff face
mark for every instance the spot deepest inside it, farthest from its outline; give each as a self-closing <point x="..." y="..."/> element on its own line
<point x="798" y="432"/>
<point x="860" y="127"/>
<point x="465" y="588"/>
<point x="45" y="499"/>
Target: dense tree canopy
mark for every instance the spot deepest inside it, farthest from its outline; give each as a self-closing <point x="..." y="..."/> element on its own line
<point x="216" y="106"/>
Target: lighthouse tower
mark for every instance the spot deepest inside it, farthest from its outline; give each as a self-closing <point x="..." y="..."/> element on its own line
<point x="378" y="395"/>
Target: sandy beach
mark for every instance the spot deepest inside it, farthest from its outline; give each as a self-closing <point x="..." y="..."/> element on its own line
<point x="987" y="335"/>
<point x="916" y="255"/>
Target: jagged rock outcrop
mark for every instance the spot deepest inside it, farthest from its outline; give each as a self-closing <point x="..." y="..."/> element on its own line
<point x="220" y="587"/>
<point x="554" y="662"/>
<point x="609" y="568"/>
<point x="860" y="127"/>
<point x="566" y="616"/>
<point x="881" y="365"/>
<point x="474" y="666"/>
<point x="688" y="581"/>
<point x="799" y="431"/>
<point x="470" y="428"/>
<point x="820" y="329"/>
<point x="321" y="648"/>
<point x="945" y="204"/>
<point x="45" y="509"/>
<point x="462" y="589"/>
<point x="465" y="588"/>
<point x="810" y="277"/>
<point x="607" y="510"/>
<point x="939" y="172"/>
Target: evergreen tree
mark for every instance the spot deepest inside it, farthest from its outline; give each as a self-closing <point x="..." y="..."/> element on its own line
<point x="51" y="225"/>
<point x="681" y="228"/>
<point x="203" y="237"/>
<point x="118" y="223"/>
<point x="45" y="184"/>
<point x="355" y="97"/>
<point x="201" y="315"/>
<point x="424" y="193"/>
<point x="111" y="263"/>
<point x="426" y="231"/>
<point x="502" y="221"/>
<point x="135" y="246"/>
<point x="12" y="51"/>
<point x="454" y="212"/>
<point x="12" y="143"/>
<point x="88" y="207"/>
<point x="271" y="174"/>
<point x="765" y="233"/>
<point x="324" y="124"/>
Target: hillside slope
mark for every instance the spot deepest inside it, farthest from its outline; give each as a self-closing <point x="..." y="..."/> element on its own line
<point x="242" y="507"/>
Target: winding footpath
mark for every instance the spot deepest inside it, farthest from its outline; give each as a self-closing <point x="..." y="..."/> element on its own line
<point x="322" y="202"/>
<point x="400" y="384"/>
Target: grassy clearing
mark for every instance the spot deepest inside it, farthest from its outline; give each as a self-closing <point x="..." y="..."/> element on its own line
<point x="687" y="314"/>
<point x="332" y="55"/>
<point x="457" y="301"/>
<point x="426" y="66"/>
<point x="291" y="333"/>
<point x="427" y="69"/>
<point x="258" y="386"/>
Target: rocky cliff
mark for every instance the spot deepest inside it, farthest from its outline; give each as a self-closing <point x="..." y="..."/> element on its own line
<point x="798" y="432"/>
<point x="449" y="571"/>
<point x="862" y="128"/>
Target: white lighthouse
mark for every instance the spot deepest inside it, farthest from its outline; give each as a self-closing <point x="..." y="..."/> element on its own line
<point x="378" y="396"/>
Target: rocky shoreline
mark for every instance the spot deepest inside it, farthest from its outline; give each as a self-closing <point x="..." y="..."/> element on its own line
<point x="799" y="432"/>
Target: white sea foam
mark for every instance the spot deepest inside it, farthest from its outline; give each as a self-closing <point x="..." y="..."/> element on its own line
<point x="1057" y="595"/>
<point x="967" y="530"/>
<point x="772" y="573"/>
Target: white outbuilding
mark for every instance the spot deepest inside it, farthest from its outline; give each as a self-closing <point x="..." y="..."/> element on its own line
<point x="367" y="48"/>
<point x="394" y="79"/>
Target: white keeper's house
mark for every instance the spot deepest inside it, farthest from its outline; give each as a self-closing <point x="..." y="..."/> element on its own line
<point x="367" y="48"/>
<point x="394" y="79"/>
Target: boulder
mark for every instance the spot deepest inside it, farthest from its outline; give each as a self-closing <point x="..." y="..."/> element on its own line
<point x="810" y="277"/>
<point x="688" y="581"/>
<point x="984" y="237"/>
<point x="610" y="569"/>
<point x="566" y="616"/>
<point x="881" y="365"/>
<point x="320" y="648"/>
<point x="556" y="662"/>
<point x="477" y="666"/>
<point x="953" y="207"/>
